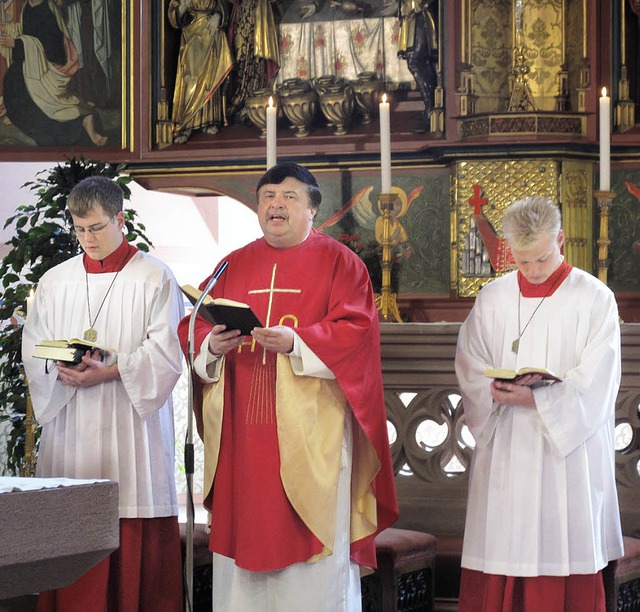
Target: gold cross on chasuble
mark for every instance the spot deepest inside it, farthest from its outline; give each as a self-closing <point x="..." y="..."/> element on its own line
<point x="261" y="409"/>
<point x="271" y="291"/>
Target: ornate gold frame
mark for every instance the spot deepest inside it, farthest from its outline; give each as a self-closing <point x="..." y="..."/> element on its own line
<point x="490" y="186"/>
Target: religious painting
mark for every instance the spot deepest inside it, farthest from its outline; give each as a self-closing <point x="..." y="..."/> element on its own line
<point x="418" y="228"/>
<point x="63" y="73"/>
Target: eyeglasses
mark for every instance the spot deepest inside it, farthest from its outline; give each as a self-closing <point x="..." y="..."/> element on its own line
<point x="92" y="229"/>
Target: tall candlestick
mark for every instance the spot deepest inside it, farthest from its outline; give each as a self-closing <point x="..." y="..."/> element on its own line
<point x="605" y="141"/>
<point x="385" y="145"/>
<point x="271" y="134"/>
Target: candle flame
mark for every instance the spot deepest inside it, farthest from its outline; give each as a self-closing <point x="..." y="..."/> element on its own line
<point x="604" y="92"/>
<point x="384" y="98"/>
<point x="270" y="101"/>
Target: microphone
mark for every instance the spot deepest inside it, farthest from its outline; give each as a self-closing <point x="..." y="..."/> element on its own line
<point x="192" y="320"/>
<point x="189" y="461"/>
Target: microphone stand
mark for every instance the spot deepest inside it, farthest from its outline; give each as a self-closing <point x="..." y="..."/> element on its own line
<point x="188" y="447"/>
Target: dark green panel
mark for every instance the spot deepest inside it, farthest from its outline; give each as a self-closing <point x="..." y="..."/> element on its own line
<point x="422" y="264"/>
<point x="624" y="232"/>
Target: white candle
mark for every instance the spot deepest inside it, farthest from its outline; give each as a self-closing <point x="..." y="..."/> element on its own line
<point x="29" y="300"/>
<point x="385" y="145"/>
<point x="271" y="134"/>
<point x="605" y="141"/>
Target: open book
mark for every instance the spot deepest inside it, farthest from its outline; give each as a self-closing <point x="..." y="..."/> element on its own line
<point x="506" y="374"/>
<point x="221" y="311"/>
<point x="70" y="351"/>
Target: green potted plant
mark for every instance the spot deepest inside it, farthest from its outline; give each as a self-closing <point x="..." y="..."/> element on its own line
<point x="43" y="238"/>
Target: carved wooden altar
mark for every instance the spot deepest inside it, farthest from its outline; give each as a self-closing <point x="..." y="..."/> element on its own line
<point x="517" y="93"/>
<point x="53" y="534"/>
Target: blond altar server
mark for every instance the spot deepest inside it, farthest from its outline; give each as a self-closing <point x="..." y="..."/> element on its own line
<point x="298" y="472"/>
<point x="542" y="516"/>
<point x="112" y="418"/>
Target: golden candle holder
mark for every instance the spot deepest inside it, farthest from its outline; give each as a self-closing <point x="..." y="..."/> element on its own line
<point x="386" y="300"/>
<point x="28" y="468"/>
<point x="604" y="199"/>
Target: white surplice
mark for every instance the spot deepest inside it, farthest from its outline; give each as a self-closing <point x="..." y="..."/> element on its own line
<point x="121" y="430"/>
<point x="542" y="492"/>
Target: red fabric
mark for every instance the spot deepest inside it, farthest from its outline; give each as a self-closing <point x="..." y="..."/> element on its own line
<point x="145" y="573"/>
<point x="114" y="262"/>
<point x="492" y="593"/>
<point x="359" y="372"/>
<point x="549" y="287"/>
<point x="256" y="506"/>
<point x="337" y="317"/>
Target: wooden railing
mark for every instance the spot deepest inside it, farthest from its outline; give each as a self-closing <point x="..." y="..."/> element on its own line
<point x="432" y="447"/>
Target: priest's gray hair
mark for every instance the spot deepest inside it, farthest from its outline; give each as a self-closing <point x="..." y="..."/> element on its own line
<point x="528" y="219"/>
<point x="95" y="191"/>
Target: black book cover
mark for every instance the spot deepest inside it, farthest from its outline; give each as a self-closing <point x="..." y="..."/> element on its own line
<point x="235" y="315"/>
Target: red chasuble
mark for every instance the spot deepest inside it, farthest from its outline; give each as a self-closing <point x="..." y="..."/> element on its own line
<point x="323" y="290"/>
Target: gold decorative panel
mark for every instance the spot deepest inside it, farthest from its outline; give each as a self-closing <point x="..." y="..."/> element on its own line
<point x="483" y="190"/>
<point x="543" y="25"/>
<point x="486" y="188"/>
<point x="577" y="213"/>
<point x="491" y="46"/>
<point x="546" y="39"/>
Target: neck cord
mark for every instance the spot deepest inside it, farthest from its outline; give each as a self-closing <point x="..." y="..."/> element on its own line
<point x="91" y="334"/>
<point x="515" y="345"/>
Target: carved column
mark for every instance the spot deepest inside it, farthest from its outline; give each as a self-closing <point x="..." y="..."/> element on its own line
<point x="625" y="106"/>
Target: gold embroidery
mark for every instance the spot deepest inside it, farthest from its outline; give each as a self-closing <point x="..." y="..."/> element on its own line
<point x="271" y="290"/>
<point x="289" y="317"/>
<point x="251" y="344"/>
<point x="262" y="398"/>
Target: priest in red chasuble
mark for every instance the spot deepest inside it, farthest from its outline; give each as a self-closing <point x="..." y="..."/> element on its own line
<point x="542" y="516"/>
<point x="298" y="472"/>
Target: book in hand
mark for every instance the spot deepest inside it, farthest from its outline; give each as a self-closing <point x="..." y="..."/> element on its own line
<point x="506" y="374"/>
<point x="69" y="351"/>
<point x="221" y="311"/>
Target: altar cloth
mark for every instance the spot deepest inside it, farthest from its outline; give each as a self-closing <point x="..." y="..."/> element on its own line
<point x="52" y="530"/>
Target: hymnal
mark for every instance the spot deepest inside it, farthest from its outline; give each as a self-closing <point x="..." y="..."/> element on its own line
<point x="222" y="311"/>
<point x="512" y="375"/>
<point x="69" y="351"/>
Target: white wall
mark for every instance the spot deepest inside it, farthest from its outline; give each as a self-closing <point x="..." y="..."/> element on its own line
<point x="189" y="242"/>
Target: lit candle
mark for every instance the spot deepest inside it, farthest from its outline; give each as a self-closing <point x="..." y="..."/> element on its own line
<point x="605" y="141"/>
<point x="271" y="133"/>
<point x="385" y="145"/>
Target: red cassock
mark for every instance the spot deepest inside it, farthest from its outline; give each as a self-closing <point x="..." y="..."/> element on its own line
<point x="323" y="290"/>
